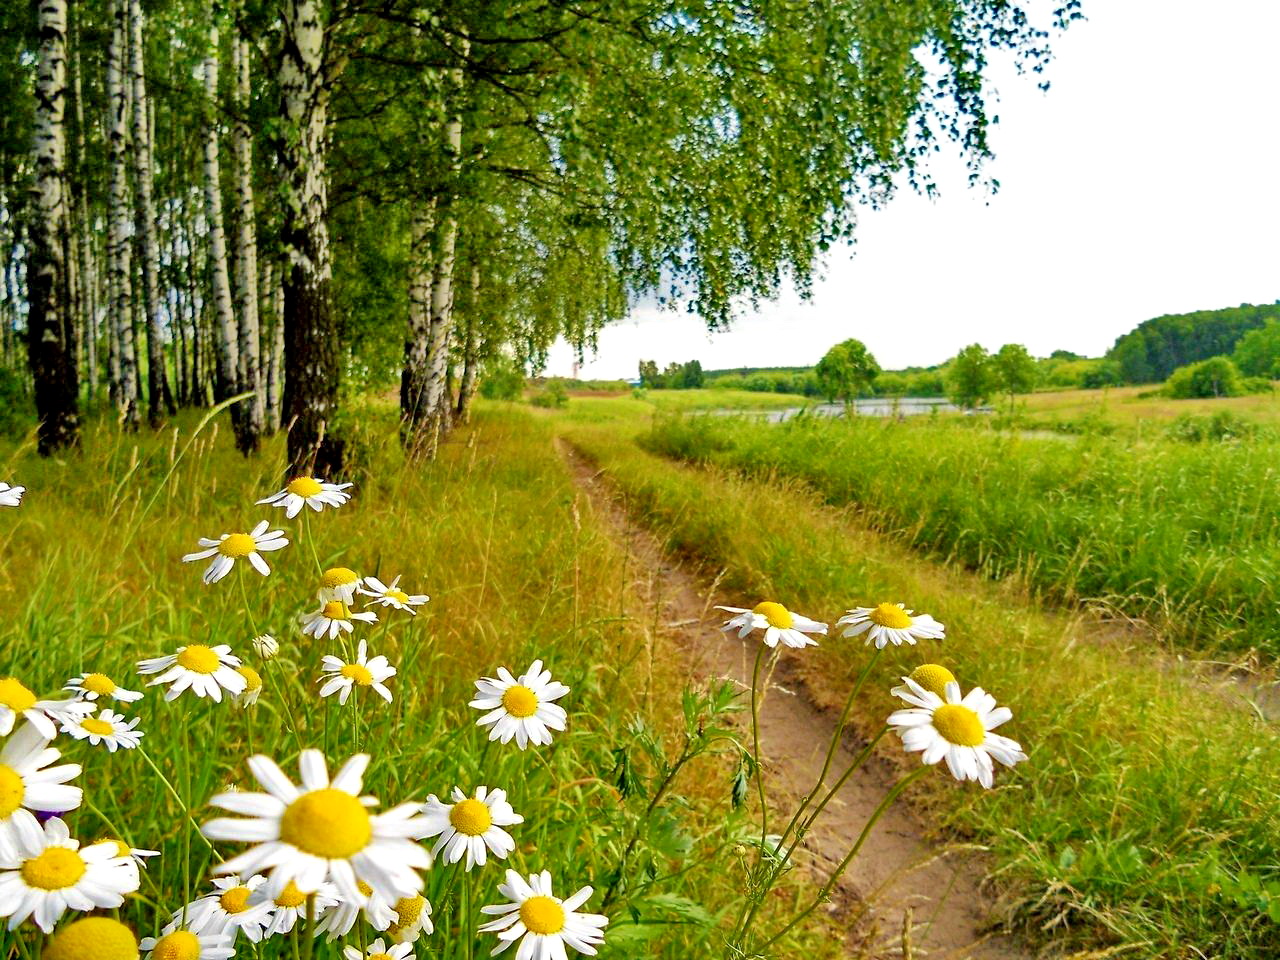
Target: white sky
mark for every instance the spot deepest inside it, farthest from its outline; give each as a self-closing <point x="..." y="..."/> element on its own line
<point x="1144" y="182"/>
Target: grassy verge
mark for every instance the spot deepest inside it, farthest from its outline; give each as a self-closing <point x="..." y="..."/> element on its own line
<point x="1143" y="819"/>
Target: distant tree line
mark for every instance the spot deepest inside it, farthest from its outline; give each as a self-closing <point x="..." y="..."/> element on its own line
<point x="1156" y="348"/>
<point x="676" y="376"/>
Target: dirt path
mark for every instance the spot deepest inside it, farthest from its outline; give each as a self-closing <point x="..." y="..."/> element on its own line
<point x="897" y="871"/>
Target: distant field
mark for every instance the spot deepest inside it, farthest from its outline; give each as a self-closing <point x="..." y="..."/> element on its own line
<point x="714" y="399"/>
<point x="1124" y="405"/>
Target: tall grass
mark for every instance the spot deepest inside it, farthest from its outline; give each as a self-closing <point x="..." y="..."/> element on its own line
<point x="1185" y="536"/>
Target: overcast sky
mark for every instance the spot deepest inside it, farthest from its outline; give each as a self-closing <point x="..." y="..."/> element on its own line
<point x="1146" y="181"/>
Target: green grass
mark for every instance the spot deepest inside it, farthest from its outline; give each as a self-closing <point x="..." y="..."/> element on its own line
<point x="1183" y="535"/>
<point x="1142" y="822"/>
<point x="92" y="580"/>
<point x="713" y="398"/>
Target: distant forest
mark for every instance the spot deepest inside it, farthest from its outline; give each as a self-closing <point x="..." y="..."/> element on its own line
<point x="1155" y="348"/>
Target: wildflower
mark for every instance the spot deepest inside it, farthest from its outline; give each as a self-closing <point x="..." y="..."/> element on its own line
<point x="252" y="687"/>
<point x="110" y="729"/>
<point x="290" y="905"/>
<point x="29" y="783"/>
<point x="413" y="917"/>
<point x="392" y="596"/>
<point x="341" y="678"/>
<point x="333" y="618"/>
<point x="206" y="671"/>
<point x="339" y="583"/>
<point x="135" y="858"/>
<point x="888" y="623"/>
<point x="521" y="708"/>
<point x="308" y="491"/>
<point x="266" y="646"/>
<point x="228" y="910"/>
<point x="183" y="944"/>
<point x="17" y="701"/>
<point x="379" y="951"/>
<point x="956" y="729"/>
<point x="777" y="622"/>
<point x="931" y="676"/>
<point x="230" y="547"/>
<point x="45" y="872"/>
<point x="546" y="923"/>
<point x="338" y="921"/>
<point x="91" y="686"/>
<point x="11" y="496"/>
<point x="92" y="938"/>
<point x="469" y="825"/>
<point x="322" y="832"/>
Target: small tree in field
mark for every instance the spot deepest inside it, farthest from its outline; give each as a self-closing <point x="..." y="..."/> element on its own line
<point x="847" y="370"/>
<point x="969" y="377"/>
<point x="1014" y="370"/>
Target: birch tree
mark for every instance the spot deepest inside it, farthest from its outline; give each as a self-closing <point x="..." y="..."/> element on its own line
<point x="50" y="327"/>
<point x="119" y="231"/>
<point x="227" y="341"/>
<point x="249" y="425"/>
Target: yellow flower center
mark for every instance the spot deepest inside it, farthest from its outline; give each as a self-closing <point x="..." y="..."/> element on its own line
<point x="55" y="869"/>
<point x="408" y="909"/>
<point x="291" y="896"/>
<point x="777" y="615"/>
<point x="542" y="915"/>
<point x="122" y="848"/>
<point x="959" y="725"/>
<point x="890" y="615"/>
<point x="364" y="888"/>
<point x="235" y="900"/>
<point x="304" y="486"/>
<point x="933" y="677"/>
<point x="179" y="945"/>
<point x="380" y="956"/>
<point x="470" y="817"/>
<point x="327" y="823"/>
<point x="399" y="596"/>
<point x="337" y="577"/>
<point x="359" y="673"/>
<point x="199" y="659"/>
<point x="99" y="683"/>
<point x="93" y="938"/>
<point x="520" y="701"/>
<point x="15" y="696"/>
<point x="101" y="727"/>
<point x="336" y="610"/>
<point x="12" y="790"/>
<point x="252" y="679"/>
<point x="237" y="545"/>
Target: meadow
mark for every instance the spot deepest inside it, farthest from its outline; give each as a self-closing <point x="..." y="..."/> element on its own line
<point x="1140" y="825"/>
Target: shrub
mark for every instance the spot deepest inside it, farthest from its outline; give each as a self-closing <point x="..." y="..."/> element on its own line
<point x="1215" y="377"/>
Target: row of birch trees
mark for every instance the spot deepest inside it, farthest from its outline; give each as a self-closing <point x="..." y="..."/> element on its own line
<point x="254" y="201"/>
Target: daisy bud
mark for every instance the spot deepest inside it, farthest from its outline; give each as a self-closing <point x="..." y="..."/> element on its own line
<point x="266" y="646"/>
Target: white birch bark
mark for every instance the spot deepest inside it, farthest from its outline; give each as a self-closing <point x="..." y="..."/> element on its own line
<point x="224" y="318"/>
<point x="470" y="350"/>
<point x="86" y="251"/>
<point x="250" y="373"/>
<point x="119" y="235"/>
<point x="414" y="413"/>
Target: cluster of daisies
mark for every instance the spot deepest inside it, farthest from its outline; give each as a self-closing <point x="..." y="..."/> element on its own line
<point x="940" y="723"/>
<point x="319" y="856"/>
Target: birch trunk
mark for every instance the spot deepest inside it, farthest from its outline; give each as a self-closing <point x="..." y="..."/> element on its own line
<point x="50" y="346"/>
<point x="249" y="434"/>
<point x="470" y="351"/>
<point x="272" y="347"/>
<point x="414" y="414"/>
<point x="312" y="368"/>
<point x="86" y="251"/>
<point x="227" y="381"/>
<point x="158" y="396"/>
<point x="119" y="241"/>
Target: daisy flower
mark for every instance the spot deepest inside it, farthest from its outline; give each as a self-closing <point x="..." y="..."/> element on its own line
<point x="933" y="677"/>
<point x="957" y="729"/>
<point x="413" y="917"/>
<point x="183" y="944"/>
<point x="546" y="923"/>
<point x="110" y="729"/>
<point x="379" y="951"/>
<point x="341" y="678"/>
<point x="321" y="832"/>
<point x="777" y="622"/>
<point x="91" y="686"/>
<point x="290" y="905"/>
<point x="28" y="782"/>
<point x="391" y="595"/>
<point x="46" y="872"/>
<point x="469" y="825"/>
<point x="333" y="618"/>
<point x="339" y="583"/>
<point x="11" y="496"/>
<point x="230" y="547"/>
<point x="338" y="921"/>
<point x="206" y="671"/>
<point x="521" y="708"/>
<point x="17" y="701"/>
<point x="308" y="491"/>
<point x="136" y="857"/>
<point x="252" y="687"/>
<point x="228" y="910"/>
<point x="92" y="938"/>
<point x="888" y="623"/>
<point x="266" y="646"/>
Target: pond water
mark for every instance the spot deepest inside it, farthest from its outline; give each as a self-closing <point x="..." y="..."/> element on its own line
<point x="875" y="407"/>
